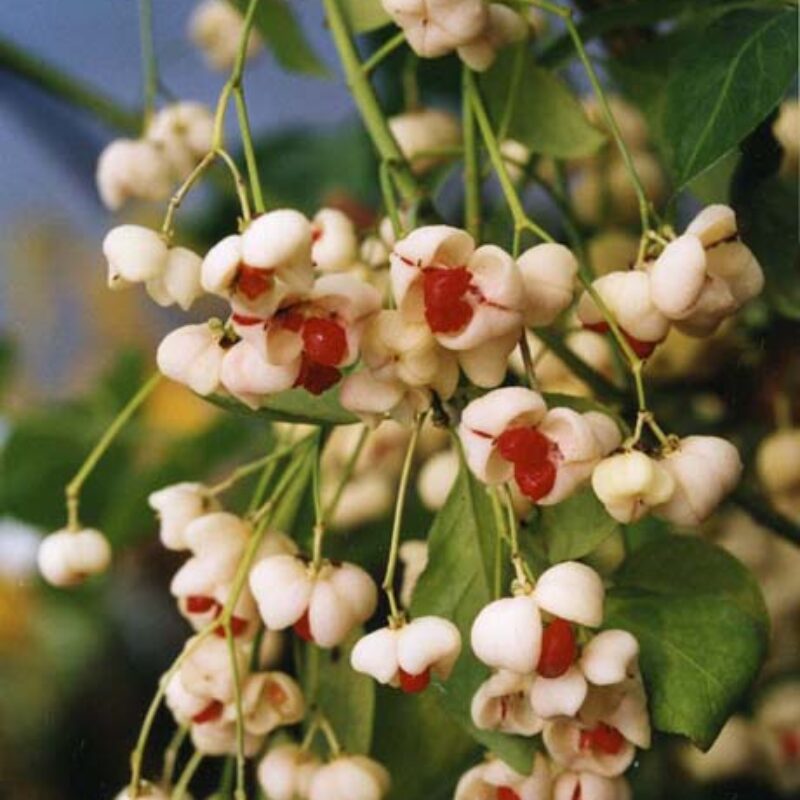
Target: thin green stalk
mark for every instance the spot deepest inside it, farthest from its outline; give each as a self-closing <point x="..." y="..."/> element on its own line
<point x="149" y="63"/>
<point x="171" y="755"/>
<point x="527" y="359"/>
<point x="167" y="226"/>
<point x="249" y="150"/>
<point x="330" y="736"/>
<point x="319" y="521"/>
<point x="239" y="792"/>
<point x="523" y="576"/>
<point x="179" y="793"/>
<point x="367" y="103"/>
<point x="385" y="50"/>
<point x="472" y="184"/>
<point x="522" y="221"/>
<point x="141" y="743"/>
<point x="50" y="79"/>
<point x="389" y="201"/>
<point x="517" y="70"/>
<point x="74" y="487"/>
<point x="611" y="122"/>
<point x="246" y="470"/>
<point x="397" y="523"/>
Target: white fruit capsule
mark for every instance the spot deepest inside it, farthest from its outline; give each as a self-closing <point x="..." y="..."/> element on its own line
<point x="436" y="478"/>
<point x="146" y="791"/>
<point x="216" y="27"/>
<point x="286" y="771"/>
<point x="705" y="470"/>
<point x="507" y="634"/>
<point x="488" y="781"/>
<point x="177" y="506"/>
<point x="677" y="277"/>
<point x="778" y="462"/>
<point x="572" y="591"/>
<point x="180" y="281"/>
<point x="413" y="554"/>
<point x="434" y="28"/>
<point x="67" y="558"/>
<point x="335" y="246"/>
<point x="192" y="355"/>
<point x="502" y="703"/>
<point x="133" y="169"/>
<point x="629" y="484"/>
<point x="423" y="131"/>
<point x="559" y="697"/>
<point x="548" y="274"/>
<point x="350" y="778"/>
<point x="328" y="603"/>
<point x="610" y="657"/>
<point x="415" y="650"/>
<point x="135" y="254"/>
<point x="588" y="786"/>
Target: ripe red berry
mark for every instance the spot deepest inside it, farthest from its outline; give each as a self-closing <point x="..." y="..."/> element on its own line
<point x="275" y="694"/>
<point x="604" y="738"/>
<point x="316" y="378"/>
<point x="559" y="649"/>
<point x="642" y="349"/>
<point x="211" y="712"/>
<point x="290" y="319"/>
<point x="535" y="481"/>
<point x="252" y="282"/>
<point x="324" y="341"/>
<point x="790" y="745"/>
<point x="199" y="604"/>
<point x="303" y="628"/>
<point x="524" y="446"/>
<point x="506" y="793"/>
<point x="446" y="311"/>
<point x="597" y="327"/>
<point x="411" y="684"/>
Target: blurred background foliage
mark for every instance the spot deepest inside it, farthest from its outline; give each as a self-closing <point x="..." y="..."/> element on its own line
<point x="77" y="668"/>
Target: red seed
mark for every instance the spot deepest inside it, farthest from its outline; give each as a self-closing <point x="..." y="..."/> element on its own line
<point x="604" y="738"/>
<point x="211" y="712"/>
<point x="324" y="341"/>
<point x="535" y="481"/>
<point x="597" y="327"/>
<point x="790" y="745"/>
<point x="506" y="793"/>
<point x="559" y="649"/>
<point x="523" y="446"/>
<point x="316" y="378"/>
<point x="290" y="319"/>
<point x="411" y="684"/>
<point x="303" y="628"/>
<point x="642" y="349"/>
<point x="199" y="604"/>
<point x="238" y="626"/>
<point x="276" y="694"/>
<point x="253" y="282"/>
<point x="577" y="794"/>
<point x="446" y="311"/>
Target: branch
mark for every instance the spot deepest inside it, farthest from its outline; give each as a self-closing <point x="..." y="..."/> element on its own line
<point x="50" y="79"/>
<point x="759" y="508"/>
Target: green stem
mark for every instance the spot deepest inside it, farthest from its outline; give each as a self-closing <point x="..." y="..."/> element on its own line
<point x="521" y="220"/>
<point x="472" y="185"/>
<point x="238" y="181"/>
<point x="319" y="520"/>
<point x="527" y="359"/>
<point x="397" y="523"/>
<point x="520" y="568"/>
<point x="149" y="63"/>
<point x="249" y="150"/>
<point x="254" y="466"/>
<point x="330" y="736"/>
<point x="367" y="102"/>
<point x="598" y="383"/>
<point x="389" y="201"/>
<point x="185" y="779"/>
<point x="239" y="792"/>
<point x="74" y="487"/>
<point x="385" y="50"/>
<point x="141" y="743"/>
<point x="611" y="122"/>
<point x="168" y="225"/>
<point x="171" y="755"/>
<point x="50" y="79"/>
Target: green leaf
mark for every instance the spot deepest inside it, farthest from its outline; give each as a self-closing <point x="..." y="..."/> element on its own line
<point x="702" y="627"/>
<point x="408" y="725"/>
<point x="714" y="185"/>
<point x="576" y="526"/>
<point x="458" y="582"/>
<point x="771" y="231"/>
<point x="346" y="697"/>
<point x="545" y="116"/>
<point x="295" y="405"/>
<point x="724" y="84"/>
<point x="276" y="23"/>
<point x="364" y="15"/>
